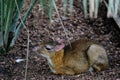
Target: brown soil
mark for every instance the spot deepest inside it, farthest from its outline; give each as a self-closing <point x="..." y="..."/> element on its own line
<point x="102" y="29"/>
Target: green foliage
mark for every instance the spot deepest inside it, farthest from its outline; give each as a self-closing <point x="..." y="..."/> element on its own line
<point x="10" y="26"/>
<point x="64" y="6"/>
<point x="71" y="5"/>
<point x="85" y="8"/>
<point x="65" y="2"/>
<point x="47" y="7"/>
<point x="113" y="7"/>
<point x="93" y="7"/>
<point x="51" y="9"/>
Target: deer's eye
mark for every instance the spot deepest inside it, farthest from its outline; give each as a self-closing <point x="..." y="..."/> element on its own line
<point x="48" y="47"/>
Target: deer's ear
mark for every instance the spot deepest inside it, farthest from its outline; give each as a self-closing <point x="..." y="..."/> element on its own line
<point x="59" y="40"/>
<point x="59" y="47"/>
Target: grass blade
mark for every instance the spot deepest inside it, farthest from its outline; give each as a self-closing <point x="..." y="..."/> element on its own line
<point x="44" y="4"/>
<point x="1" y="21"/>
<point x="21" y="25"/>
<point x="91" y="8"/>
<point x="26" y="66"/>
<point x="96" y="8"/>
<point x="64" y="6"/>
<point x="51" y="9"/>
<point x="71" y="6"/>
<point x="110" y="8"/>
<point x="85" y="8"/>
<point x="116" y="7"/>
<point x="16" y="15"/>
<point x="9" y="15"/>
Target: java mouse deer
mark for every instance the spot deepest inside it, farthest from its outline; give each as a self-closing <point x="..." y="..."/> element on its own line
<point x="83" y="55"/>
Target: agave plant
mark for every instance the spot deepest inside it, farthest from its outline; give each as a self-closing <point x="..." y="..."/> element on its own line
<point x="10" y="22"/>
